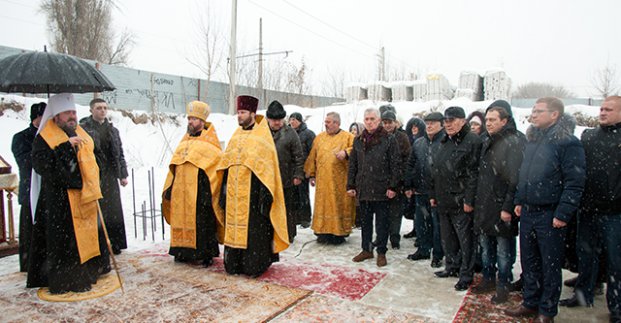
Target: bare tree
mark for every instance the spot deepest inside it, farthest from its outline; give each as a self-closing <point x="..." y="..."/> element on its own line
<point x="537" y="90"/>
<point x="334" y="83"/>
<point x="211" y="47"/>
<point x="296" y="79"/>
<point x="605" y="81"/>
<point x="83" y="28"/>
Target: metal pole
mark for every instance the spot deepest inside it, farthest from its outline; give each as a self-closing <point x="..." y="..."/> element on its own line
<point x="232" y="54"/>
<point x="150" y="199"/>
<point x="144" y="220"/>
<point x="134" y="202"/>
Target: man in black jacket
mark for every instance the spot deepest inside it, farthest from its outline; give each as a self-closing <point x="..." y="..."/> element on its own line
<point x="290" y="161"/>
<point x="21" y="147"/>
<point x="599" y="219"/>
<point x="455" y="171"/>
<point x="389" y="121"/>
<point x="417" y="177"/>
<point x="494" y="218"/>
<point x="112" y="170"/>
<point x="303" y="216"/>
<point x="374" y="179"/>
<point x="550" y="185"/>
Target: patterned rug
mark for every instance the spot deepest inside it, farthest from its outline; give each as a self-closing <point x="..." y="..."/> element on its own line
<point x="156" y="289"/>
<point x="343" y="282"/>
<point x="479" y="308"/>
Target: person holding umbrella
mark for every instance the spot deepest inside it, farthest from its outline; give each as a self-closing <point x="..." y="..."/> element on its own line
<point x="68" y="249"/>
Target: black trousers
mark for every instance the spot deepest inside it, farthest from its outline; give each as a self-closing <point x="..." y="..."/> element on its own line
<point x="458" y="242"/>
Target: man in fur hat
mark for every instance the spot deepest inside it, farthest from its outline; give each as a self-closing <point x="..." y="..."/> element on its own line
<point x="254" y="226"/>
<point x="550" y="185"/>
<point x="290" y="161"/>
<point x="192" y="190"/>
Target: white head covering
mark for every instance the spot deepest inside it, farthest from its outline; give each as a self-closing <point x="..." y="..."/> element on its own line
<point x="55" y="104"/>
<point x="476" y="119"/>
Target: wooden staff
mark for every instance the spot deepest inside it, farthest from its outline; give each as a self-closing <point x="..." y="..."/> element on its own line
<point x="116" y="268"/>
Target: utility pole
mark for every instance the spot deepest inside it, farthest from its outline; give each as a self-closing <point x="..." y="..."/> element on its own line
<point x="260" y="77"/>
<point x="382" y="65"/>
<point x="232" y="54"/>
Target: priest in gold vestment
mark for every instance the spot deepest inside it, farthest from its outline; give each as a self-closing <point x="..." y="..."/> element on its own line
<point x="254" y="226"/>
<point x="327" y="166"/>
<point x="192" y="190"/>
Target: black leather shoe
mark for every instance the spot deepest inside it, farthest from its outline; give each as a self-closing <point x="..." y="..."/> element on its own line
<point x="571" y="282"/>
<point x="462" y="285"/>
<point x="446" y="273"/>
<point x="396" y="245"/>
<point x="574" y="301"/>
<point x="411" y="234"/>
<point x="520" y="311"/>
<point x="436" y="263"/>
<point x="418" y="256"/>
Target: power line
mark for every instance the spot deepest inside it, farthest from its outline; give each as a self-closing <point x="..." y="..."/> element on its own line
<point x="309" y="30"/>
<point x="332" y="27"/>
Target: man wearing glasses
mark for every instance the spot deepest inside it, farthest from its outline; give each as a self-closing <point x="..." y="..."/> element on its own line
<point x="549" y="189"/>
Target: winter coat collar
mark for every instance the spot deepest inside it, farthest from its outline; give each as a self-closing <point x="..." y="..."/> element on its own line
<point x="459" y="136"/>
<point x="372" y="139"/>
<point x="301" y="128"/>
<point x="562" y="129"/>
<point x="612" y="128"/>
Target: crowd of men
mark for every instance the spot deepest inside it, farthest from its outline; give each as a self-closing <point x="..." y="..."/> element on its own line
<point x="474" y="187"/>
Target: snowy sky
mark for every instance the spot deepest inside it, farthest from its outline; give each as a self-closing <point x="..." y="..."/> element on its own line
<point x="561" y="42"/>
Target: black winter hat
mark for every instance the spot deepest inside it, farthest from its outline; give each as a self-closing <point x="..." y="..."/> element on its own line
<point x="297" y="116"/>
<point x="434" y="116"/>
<point x="389" y="115"/>
<point x="501" y="104"/>
<point x="454" y="112"/>
<point x="275" y="111"/>
<point x="36" y="110"/>
<point x="387" y="107"/>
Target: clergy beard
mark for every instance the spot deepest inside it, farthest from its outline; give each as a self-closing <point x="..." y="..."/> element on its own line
<point x="69" y="127"/>
<point x="191" y="130"/>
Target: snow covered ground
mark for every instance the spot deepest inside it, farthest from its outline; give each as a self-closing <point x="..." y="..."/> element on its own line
<point x="407" y="287"/>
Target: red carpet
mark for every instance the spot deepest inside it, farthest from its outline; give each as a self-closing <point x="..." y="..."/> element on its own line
<point x="479" y="308"/>
<point x="343" y="282"/>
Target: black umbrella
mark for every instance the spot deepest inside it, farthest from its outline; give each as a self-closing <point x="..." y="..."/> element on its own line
<point x="43" y="72"/>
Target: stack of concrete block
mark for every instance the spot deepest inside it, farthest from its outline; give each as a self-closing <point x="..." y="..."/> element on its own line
<point x="401" y="91"/>
<point x="438" y="88"/>
<point x="379" y="91"/>
<point x="497" y="85"/>
<point x="419" y="90"/>
<point x="470" y="86"/>
<point x="467" y="93"/>
<point x="355" y="92"/>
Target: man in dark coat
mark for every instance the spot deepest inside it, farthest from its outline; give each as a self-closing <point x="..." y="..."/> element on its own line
<point x="68" y="249"/>
<point x="389" y="122"/>
<point x="599" y="219"/>
<point x="303" y="216"/>
<point x="21" y="147"/>
<point x="253" y="228"/>
<point x="373" y="177"/>
<point x="112" y="170"/>
<point x="548" y="194"/>
<point x="455" y="171"/>
<point x="417" y="177"/>
<point x="414" y="129"/>
<point x="290" y="161"/>
<point x="494" y="218"/>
